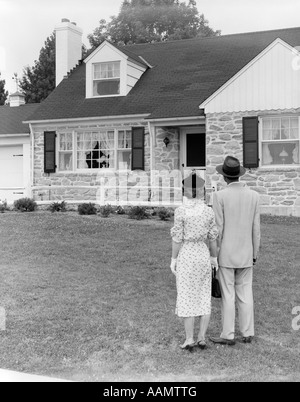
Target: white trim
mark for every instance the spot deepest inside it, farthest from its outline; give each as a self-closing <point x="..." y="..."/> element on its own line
<point x="99" y="48"/>
<point x="261" y="141"/>
<point x="244" y="69"/>
<point x="14" y="135"/>
<point x="175" y="121"/>
<point x="183" y="132"/>
<point x="84" y="119"/>
<point x="145" y="61"/>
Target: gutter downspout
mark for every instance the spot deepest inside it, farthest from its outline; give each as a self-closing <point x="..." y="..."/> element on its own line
<point x="32" y="159"/>
<point x="152" y="163"/>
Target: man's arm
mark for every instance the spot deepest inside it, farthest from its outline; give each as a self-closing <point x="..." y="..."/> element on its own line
<point x="256" y="235"/>
<point x="219" y="215"/>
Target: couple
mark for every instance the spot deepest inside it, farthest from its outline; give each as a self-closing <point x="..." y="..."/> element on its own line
<point x="232" y="229"/>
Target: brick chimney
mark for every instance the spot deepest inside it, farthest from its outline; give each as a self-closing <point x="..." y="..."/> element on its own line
<point x="68" y="48"/>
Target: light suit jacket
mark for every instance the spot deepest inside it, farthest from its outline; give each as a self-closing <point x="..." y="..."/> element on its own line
<point x="238" y="219"/>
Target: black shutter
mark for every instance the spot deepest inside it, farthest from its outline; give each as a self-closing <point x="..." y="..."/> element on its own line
<point x="250" y="142"/>
<point x="49" y="151"/>
<point x="138" y="148"/>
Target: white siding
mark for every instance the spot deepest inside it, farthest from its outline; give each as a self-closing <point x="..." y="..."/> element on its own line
<point x="270" y="82"/>
<point x="134" y="73"/>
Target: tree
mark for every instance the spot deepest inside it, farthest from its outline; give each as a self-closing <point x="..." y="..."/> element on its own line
<point x="3" y="92"/>
<point x="39" y="81"/>
<point x="147" y="21"/>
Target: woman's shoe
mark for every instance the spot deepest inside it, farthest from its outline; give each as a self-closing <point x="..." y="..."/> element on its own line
<point x="202" y="345"/>
<point x="190" y="347"/>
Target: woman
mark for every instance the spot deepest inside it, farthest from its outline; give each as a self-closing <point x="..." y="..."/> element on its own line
<point x="191" y="260"/>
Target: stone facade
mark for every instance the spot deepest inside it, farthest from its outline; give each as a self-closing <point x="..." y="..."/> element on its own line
<point x="72" y="186"/>
<point x="104" y="186"/>
<point x="279" y="188"/>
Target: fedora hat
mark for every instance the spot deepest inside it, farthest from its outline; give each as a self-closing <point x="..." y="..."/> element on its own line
<point x="231" y="168"/>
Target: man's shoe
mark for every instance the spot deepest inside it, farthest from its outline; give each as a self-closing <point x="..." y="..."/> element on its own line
<point x="222" y="341"/>
<point x="247" y="339"/>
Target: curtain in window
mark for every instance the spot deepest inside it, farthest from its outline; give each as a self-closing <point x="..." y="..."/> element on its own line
<point x="95" y="150"/>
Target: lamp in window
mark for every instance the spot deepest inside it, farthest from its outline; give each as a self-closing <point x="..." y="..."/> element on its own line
<point x="283" y="155"/>
<point x="166" y="142"/>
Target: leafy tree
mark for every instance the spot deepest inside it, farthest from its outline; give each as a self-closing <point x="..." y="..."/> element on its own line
<point x="147" y="21"/>
<point x="3" y="92"/>
<point x="39" y="81"/>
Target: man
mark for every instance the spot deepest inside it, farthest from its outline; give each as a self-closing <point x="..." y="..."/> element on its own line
<point x="238" y="219"/>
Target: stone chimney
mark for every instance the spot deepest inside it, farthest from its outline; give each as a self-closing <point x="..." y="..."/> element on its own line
<point x="68" y="48"/>
<point x="16" y="99"/>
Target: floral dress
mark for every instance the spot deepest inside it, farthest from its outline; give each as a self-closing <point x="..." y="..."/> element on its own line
<point x="194" y="224"/>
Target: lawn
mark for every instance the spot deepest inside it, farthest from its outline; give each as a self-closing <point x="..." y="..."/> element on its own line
<point x="93" y="299"/>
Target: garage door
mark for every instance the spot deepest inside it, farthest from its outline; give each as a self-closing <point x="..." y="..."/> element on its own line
<point x="11" y="169"/>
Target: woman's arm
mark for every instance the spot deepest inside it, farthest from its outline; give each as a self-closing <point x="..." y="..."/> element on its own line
<point x="175" y="249"/>
<point x="213" y="247"/>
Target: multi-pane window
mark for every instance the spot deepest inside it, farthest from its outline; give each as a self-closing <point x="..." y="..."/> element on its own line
<point x="280" y="141"/>
<point x="96" y="150"/>
<point x="106" y="79"/>
<point x="102" y="149"/>
<point x="124" y="150"/>
<point x="66" y="151"/>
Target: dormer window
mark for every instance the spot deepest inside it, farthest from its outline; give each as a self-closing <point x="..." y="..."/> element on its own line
<point x="106" y="78"/>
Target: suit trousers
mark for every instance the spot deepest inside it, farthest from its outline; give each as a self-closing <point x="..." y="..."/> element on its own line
<point x="237" y="288"/>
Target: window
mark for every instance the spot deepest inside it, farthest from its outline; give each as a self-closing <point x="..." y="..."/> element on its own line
<point x="280" y="141"/>
<point x="124" y="150"/>
<point x="106" y="79"/>
<point x="65" y="152"/>
<point x="91" y="149"/>
<point x="96" y="150"/>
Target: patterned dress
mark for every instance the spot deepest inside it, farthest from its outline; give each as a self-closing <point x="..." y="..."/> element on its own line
<point x="194" y="224"/>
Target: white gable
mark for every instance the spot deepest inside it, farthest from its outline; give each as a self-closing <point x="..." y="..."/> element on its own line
<point x="130" y="70"/>
<point x="270" y="82"/>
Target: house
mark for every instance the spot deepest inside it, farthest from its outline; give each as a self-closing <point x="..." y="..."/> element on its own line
<point x="15" y="149"/>
<point x="125" y="123"/>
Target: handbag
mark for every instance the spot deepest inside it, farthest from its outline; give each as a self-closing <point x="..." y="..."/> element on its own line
<point x="216" y="289"/>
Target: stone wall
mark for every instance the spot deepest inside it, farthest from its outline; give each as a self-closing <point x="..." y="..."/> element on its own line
<point x="279" y="188"/>
<point x="73" y="186"/>
<point x="109" y="187"/>
<point x="167" y="158"/>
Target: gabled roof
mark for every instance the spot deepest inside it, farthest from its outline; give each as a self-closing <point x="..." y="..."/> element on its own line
<point x="11" y="118"/>
<point x="184" y="74"/>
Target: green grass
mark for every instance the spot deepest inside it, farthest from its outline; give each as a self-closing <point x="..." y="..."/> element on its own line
<point x="93" y="299"/>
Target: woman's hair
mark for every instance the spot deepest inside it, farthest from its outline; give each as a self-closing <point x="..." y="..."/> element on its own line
<point x="193" y="186"/>
<point x="193" y="192"/>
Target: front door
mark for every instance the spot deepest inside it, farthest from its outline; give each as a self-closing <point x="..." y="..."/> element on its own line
<point x="193" y="151"/>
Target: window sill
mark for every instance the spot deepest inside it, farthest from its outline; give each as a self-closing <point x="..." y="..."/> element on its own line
<point x="272" y="168"/>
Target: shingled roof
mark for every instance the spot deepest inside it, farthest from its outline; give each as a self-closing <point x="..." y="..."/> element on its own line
<point x="11" y="118"/>
<point x="184" y="74"/>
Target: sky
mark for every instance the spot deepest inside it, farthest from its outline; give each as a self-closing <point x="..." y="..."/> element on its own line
<point x="26" y="24"/>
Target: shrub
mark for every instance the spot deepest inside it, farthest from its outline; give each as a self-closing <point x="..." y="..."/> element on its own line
<point x="138" y="213"/>
<point x="87" y="209"/>
<point x="58" y="207"/>
<point x="164" y="214"/>
<point x="25" y="205"/>
<point x="3" y="207"/>
<point x="106" y="210"/>
<point x="120" y="210"/>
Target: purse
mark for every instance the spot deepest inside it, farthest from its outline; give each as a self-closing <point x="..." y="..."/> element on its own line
<point x="216" y="289"/>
